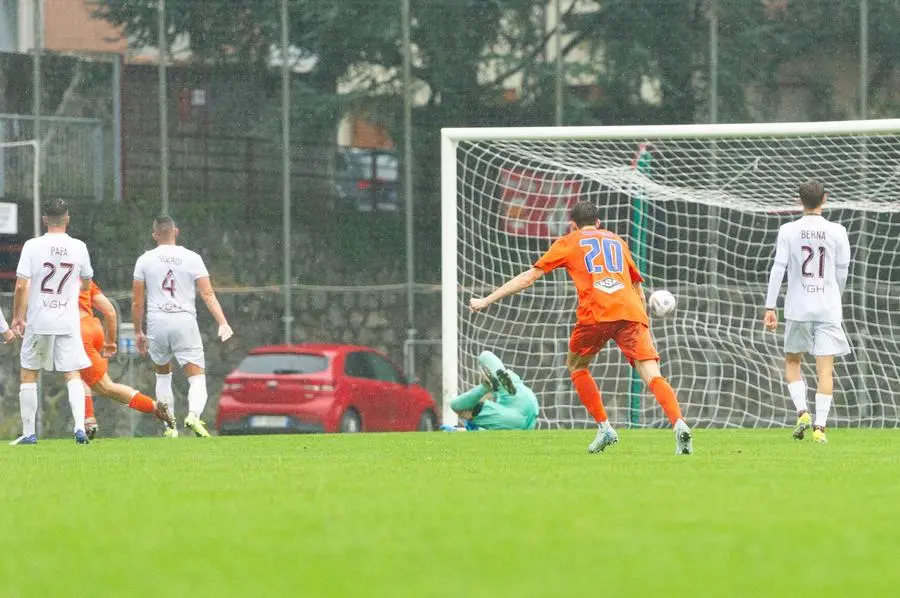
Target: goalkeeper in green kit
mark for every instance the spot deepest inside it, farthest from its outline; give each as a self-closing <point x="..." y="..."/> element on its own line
<point x="501" y="402"/>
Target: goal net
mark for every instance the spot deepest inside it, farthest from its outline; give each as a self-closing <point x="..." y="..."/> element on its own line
<point x="700" y="207"/>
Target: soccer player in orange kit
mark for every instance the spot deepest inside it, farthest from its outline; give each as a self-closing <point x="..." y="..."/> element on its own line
<point x="611" y="305"/>
<point x="100" y="345"/>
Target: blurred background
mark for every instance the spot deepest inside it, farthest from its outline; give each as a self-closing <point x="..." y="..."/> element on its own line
<point x="296" y="142"/>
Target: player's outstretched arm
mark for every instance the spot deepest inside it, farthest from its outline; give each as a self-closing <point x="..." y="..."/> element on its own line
<point x="110" y="323"/>
<point x="204" y="286"/>
<point x="511" y="287"/>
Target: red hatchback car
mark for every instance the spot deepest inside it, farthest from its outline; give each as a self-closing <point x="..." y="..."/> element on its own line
<point x="321" y="388"/>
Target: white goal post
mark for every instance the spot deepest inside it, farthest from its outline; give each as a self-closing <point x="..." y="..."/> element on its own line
<point x="700" y="206"/>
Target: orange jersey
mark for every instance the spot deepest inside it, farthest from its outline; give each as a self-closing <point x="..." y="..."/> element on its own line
<point x="86" y="300"/>
<point x="600" y="264"/>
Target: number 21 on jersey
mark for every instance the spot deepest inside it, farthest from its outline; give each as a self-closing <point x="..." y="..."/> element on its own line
<point x="807" y="268"/>
<point x="608" y="250"/>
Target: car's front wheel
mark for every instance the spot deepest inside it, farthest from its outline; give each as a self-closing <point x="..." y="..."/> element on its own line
<point x="428" y="422"/>
<point x="350" y="422"/>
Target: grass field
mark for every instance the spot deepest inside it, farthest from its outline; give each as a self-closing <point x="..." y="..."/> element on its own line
<point x="486" y="514"/>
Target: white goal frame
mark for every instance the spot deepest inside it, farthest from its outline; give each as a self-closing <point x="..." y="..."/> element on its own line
<point x="451" y="137"/>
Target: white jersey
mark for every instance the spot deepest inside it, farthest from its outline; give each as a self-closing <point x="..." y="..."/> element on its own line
<point x="170" y="274"/>
<point x="55" y="263"/>
<point x="816" y="255"/>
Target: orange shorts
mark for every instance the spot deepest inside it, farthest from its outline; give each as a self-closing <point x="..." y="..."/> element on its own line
<point x="633" y="339"/>
<point x="92" y="336"/>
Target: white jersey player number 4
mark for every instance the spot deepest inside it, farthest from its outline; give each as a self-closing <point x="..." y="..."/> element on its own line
<point x="166" y="281"/>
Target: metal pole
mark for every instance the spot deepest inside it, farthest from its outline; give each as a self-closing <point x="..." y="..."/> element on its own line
<point x="863" y="59"/>
<point x="862" y="259"/>
<point x="38" y="28"/>
<point x="560" y="108"/>
<point x="38" y="32"/>
<point x="117" y="127"/>
<point x="162" y="97"/>
<point x="286" y="170"/>
<point x="714" y="63"/>
<point x="408" y="187"/>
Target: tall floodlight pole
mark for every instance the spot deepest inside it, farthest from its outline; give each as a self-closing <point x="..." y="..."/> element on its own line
<point x="286" y="170"/>
<point x="408" y="188"/>
<point x="560" y="108"/>
<point x="163" y="46"/>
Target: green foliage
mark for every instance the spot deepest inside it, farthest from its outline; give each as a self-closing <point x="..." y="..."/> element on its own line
<point x="508" y="514"/>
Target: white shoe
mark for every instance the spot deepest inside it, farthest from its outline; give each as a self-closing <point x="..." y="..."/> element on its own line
<point x="606" y="436"/>
<point x="684" y="439"/>
<point x="171" y="433"/>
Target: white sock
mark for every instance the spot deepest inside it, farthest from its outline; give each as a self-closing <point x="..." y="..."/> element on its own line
<point x="164" y="391"/>
<point x="28" y="406"/>
<point x="76" y="402"/>
<point x="196" y="394"/>
<point x="823" y="406"/>
<point x="797" y="391"/>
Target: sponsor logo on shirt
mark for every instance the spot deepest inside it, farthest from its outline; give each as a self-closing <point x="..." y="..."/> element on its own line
<point x="609" y="285"/>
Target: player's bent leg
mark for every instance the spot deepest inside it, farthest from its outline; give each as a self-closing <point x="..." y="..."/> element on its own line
<point x="90" y="419"/>
<point x="165" y="396"/>
<point x="89" y="377"/>
<point x="134" y="399"/>
<point x="581" y="353"/>
<point x="494" y="416"/>
<point x="197" y="397"/>
<point x="648" y="370"/>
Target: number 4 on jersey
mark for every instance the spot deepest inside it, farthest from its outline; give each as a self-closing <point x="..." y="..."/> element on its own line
<point x="168" y="283"/>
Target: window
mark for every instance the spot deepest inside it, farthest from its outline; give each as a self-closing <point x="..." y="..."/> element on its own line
<point x="357" y="366"/>
<point x="384" y="369"/>
<point x="383" y="166"/>
<point x="283" y="363"/>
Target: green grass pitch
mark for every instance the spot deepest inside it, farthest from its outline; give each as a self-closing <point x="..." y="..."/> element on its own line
<point x="752" y="513"/>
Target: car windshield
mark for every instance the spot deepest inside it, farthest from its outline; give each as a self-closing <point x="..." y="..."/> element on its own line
<point x="283" y="363"/>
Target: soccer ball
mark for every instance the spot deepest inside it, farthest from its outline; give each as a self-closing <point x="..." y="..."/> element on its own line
<point x="662" y="303"/>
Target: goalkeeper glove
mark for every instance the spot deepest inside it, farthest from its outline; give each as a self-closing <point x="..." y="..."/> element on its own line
<point x="449" y="428"/>
<point x="225" y="332"/>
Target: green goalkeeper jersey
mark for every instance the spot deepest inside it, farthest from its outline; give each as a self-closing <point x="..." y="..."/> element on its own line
<point x="501" y="410"/>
